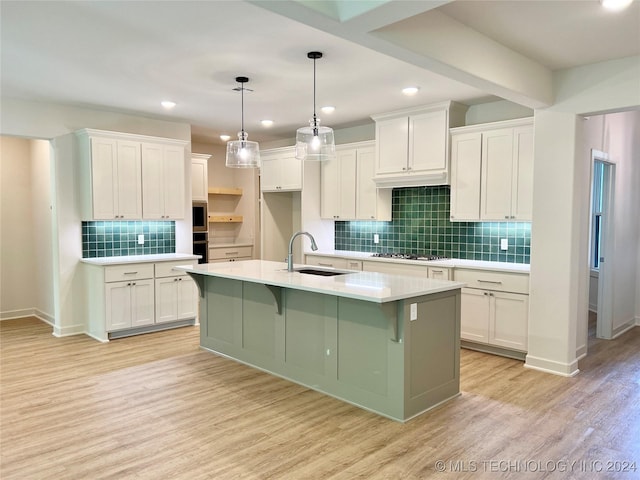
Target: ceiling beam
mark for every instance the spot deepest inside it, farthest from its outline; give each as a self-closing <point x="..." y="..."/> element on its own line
<point x="417" y="33"/>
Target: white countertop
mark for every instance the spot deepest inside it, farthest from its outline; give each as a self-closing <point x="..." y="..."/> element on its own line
<point x="160" y="257"/>
<point x="451" y="263"/>
<point x="368" y="286"/>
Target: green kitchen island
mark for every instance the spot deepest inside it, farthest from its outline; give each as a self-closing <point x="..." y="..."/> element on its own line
<point x="386" y="343"/>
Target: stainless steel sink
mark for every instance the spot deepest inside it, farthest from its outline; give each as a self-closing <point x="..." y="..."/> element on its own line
<point x="318" y="271"/>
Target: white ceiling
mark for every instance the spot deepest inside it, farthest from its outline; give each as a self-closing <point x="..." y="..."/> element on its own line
<point x="128" y="56"/>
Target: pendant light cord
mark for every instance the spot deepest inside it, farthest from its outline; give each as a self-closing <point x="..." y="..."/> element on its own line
<point x="315" y="124"/>
<point x="242" y="108"/>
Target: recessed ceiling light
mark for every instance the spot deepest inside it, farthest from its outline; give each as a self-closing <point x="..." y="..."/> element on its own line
<point x="225" y="138"/>
<point x="168" y="104"/>
<point x="328" y="109"/>
<point x="266" y="123"/>
<point x="410" y="91"/>
<point x="615" y="4"/>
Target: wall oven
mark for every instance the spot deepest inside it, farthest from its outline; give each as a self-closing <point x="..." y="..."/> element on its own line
<point x="200" y="217"/>
<point x="201" y="246"/>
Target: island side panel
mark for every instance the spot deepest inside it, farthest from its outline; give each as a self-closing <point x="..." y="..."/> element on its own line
<point x="432" y="343"/>
<point x="221" y="326"/>
<point x="261" y="332"/>
<point x="310" y="338"/>
<point x="370" y="357"/>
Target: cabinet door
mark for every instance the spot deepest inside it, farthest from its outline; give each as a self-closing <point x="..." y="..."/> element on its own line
<point x="522" y="190"/>
<point x="366" y="191"/>
<point x="199" y="180"/>
<point x="330" y="189"/>
<point x="392" y="137"/>
<point x="173" y="184"/>
<point x="497" y="160"/>
<point x="104" y="178"/>
<point x="466" y="156"/>
<point x="508" y="320"/>
<point x="187" y="298"/>
<point x="152" y="181"/>
<point x="269" y="173"/>
<point x="166" y="299"/>
<point x="118" y="305"/>
<point x="428" y="136"/>
<point x="290" y="172"/>
<point x="474" y="315"/>
<point x="129" y="180"/>
<point x="142" y="308"/>
<point x="347" y="184"/>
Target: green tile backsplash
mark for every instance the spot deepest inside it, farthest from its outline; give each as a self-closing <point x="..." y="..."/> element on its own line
<point x="112" y="239"/>
<point x="421" y="226"/>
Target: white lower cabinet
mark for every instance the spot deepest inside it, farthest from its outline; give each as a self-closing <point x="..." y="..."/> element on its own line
<point x="230" y="254"/>
<point x="440" y="273"/>
<point x="333" y="262"/>
<point x="129" y="304"/>
<point x="491" y="315"/>
<point x="176" y="295"/>
<point x="137" y="297"/>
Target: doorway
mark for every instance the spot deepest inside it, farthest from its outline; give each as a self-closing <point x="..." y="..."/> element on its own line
<point x="601" y="243"/>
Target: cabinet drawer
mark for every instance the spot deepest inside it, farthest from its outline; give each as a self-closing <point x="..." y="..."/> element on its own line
<point x="165" y="269"/>
<point x="322" y="261"/>
<point x="133" y="271"/>
<point x="492" y="280"/>
<point x="230" y="252"/>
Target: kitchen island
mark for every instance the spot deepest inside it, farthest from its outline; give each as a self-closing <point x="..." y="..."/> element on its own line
<point x="387" y="343"/>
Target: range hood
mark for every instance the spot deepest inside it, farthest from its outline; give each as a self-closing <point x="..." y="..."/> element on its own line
<point x="417" y="180"/>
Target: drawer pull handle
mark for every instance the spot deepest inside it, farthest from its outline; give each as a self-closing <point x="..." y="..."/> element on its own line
<point x="437" y="271"/>
<point x="231" y="253"/>
<point x="320" y="264"/>
<point x="130" y="273"/>
<point x="493" y="282"/>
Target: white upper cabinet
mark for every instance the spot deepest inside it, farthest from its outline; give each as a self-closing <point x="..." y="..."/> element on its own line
<point x="115" y="172"/>
<point x="492" y="171"/>
<point x="348" y="191"/>
<point x="280" y="171"/>
<point x="412" y="145"/>
<point x="162" y="181"/>
<point x="199" y="177"/>
<point x="129" y="177"/>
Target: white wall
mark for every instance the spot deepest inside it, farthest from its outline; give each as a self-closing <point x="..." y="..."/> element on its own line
<point x="559" y="279"/>
<point x="42" y="227"/>
<point x="26" y="263"/>
<point x="47" y="121"/>
<point x="17" y="262"/>
<point x="247" y="205"/>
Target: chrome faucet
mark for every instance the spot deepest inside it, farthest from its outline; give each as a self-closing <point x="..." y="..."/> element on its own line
<point x="314" y="247"/>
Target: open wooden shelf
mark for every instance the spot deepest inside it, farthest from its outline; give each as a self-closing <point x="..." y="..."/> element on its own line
<point x="225" y="191"/>
<point x="225" y="219"/>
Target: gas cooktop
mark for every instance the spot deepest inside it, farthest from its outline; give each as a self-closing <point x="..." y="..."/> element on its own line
<point x="409" y="256"/>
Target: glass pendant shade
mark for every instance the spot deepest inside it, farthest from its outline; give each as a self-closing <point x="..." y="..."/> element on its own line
<point x="315" y="143"/>
<point x="242" y="153"/>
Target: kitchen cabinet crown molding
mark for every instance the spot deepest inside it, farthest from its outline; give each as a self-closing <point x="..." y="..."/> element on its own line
<point x="432" y="107"/>
<point x="483" y="127"/>
<point x="90" y="132"/>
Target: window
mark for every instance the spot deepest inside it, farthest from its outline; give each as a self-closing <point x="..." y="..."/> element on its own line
<point x="596" y="213"/>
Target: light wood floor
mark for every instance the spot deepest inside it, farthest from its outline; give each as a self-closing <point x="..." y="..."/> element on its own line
<point x="157" y="407"/>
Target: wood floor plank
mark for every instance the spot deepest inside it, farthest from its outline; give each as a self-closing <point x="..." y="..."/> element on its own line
<point x="156" y="406"/>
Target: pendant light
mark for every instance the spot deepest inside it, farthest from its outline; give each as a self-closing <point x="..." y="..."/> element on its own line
<point x="242" y="153"/>
<point x="315" y="142"/>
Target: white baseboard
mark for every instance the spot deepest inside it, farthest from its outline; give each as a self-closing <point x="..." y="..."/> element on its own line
<point x="624" y="328"/>
<point x="552" y="366"/>
<point x="68" y="331"/>
<point x="28" y="312"/>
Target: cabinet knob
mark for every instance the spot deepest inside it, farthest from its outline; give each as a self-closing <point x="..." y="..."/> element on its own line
<point x="506" y="216"/>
